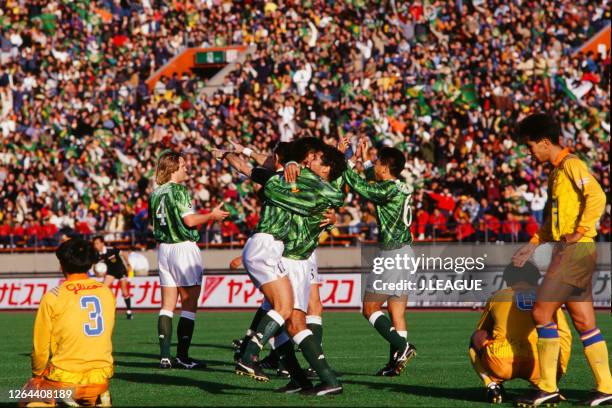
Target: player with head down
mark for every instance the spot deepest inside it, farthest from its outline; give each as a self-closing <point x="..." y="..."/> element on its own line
<point x="316" y="189"/>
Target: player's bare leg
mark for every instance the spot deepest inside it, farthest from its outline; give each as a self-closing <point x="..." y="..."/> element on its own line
<point x="372" y="310"/>
<point x="313" y="353"/>
<point x="108" y="280"/>
<point x="314" y="319"/>
<point x="189" y="305"/>
<point x="164" y="324"/>
<point x="280" y="295"/>
<point x="595" y="351"/>
<point x="550" y="297"/>
<point x="127" y="298"/>
<point x="493" y="386"/>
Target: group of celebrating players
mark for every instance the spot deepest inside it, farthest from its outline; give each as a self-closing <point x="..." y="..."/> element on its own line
<point x="301" y="185"/>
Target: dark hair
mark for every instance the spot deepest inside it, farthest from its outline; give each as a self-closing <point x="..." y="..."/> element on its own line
<point x="537" y="127"/>
<point x="393" y="158"/>
<point x="333" y="158"/>
<point x="98" y="238"/>
<point x="76" y="255"/>
<point x="283" y="151"/>
<point x="528" y="273"/>
<point x="302" y="147"/>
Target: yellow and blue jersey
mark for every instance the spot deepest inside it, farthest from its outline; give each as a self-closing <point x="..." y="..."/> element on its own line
<point x="73" y="331"/>
<point x="576" y="201"/>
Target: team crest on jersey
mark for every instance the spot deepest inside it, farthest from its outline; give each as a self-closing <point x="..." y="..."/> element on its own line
<point x="525" y="300"/>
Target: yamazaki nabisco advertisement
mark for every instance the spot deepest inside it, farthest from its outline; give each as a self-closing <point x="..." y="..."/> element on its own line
<point x="218" y="291"/>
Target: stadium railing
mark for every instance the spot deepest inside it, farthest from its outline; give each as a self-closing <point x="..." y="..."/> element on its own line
<point x="341" y="236"/>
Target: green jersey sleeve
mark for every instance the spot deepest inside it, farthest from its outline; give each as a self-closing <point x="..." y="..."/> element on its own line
<point x="375" y="192"/>
<point x="279" y="193"/>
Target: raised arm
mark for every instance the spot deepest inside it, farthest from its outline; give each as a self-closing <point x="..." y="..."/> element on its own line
<point x="378" y="193"/>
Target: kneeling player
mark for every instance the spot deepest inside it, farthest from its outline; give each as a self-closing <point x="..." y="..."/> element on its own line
<point x="72" y="348"/>
<point x="117" y="268"/>
<point x="504" y="345"/>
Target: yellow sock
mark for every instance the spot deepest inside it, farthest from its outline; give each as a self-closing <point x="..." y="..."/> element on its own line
<point x="475" y="360"/>
<point x="548" y="356"/>
<point x="596" y="353"/>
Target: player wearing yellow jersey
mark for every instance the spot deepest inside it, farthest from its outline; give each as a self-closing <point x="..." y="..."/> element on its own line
<point x="576" y="202"/>
<point x="72" y="347"/>
<point x="504" y="345"/>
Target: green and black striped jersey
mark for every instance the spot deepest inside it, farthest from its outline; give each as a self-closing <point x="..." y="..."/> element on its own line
<point x="273" y="219"/>
<point x="392" y="201"/>
<point x="168" y="204"/>
<point x="307" y="204"/>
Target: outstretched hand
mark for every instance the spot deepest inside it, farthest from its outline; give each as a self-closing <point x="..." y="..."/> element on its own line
<point x="343" y="144"/>
<point x="329" y="218"/>
<point x="238" y="148"/>
<point x="218" y="214"/>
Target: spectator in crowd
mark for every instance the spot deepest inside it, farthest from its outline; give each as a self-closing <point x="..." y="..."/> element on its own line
<point x="445" y="82"/>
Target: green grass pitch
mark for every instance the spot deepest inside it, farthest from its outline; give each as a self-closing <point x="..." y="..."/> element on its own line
<point x="440" y="376"/>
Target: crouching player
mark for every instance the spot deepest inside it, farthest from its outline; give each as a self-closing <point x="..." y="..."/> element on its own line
<point x="504" y="345"/>
<point x="72" y="350"/>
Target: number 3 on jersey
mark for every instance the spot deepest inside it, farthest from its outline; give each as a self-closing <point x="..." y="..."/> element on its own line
<point x="95" y="326"/>
<point x="161" y="212"/>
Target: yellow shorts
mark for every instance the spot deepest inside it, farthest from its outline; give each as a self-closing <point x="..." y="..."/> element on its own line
<point x="574" y="264"/>
<point x="505" y="361"/>
<point x="86" y="387"/>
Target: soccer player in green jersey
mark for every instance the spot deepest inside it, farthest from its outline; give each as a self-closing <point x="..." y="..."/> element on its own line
<point x="179" y="258"/>
<point x="308" y="204"/>
<point x="392" y="200"/>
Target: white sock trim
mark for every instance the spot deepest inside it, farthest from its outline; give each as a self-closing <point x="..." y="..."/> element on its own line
<point x="276" y="317"/>
<point x="314" y="319"/>
<point x="374" y="316"/>
<point x="188" y="315"/>
<point x="298" y="338"/>
<point x="164" y="312"/>
<point x="403" y="333"/>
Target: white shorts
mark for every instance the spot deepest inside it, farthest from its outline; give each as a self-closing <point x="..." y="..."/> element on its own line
<point x="300" y="275"/>
<point x="314" y="269"/>
<point x="180" y="264"/>
<point x="260" y="257"/>
<point x="373" y="284"/>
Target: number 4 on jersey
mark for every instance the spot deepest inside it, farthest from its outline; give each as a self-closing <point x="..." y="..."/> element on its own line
<point x="161" y="212"/>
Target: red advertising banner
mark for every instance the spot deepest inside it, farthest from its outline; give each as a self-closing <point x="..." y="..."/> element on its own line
<point x="218" y="291"/>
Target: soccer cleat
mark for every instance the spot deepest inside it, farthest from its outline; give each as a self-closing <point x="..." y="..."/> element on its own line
<point x="165" y="363"/>
<point x="311" y="374"/>
<point x="251" y="369"/>
<point x="538" y="398"/>
<point x="323" y="389"/>
<point x="387" y="371"/>
<point x="401" y="359"/>
<point x="494" y="394"/>
<point x="281" y="372"/>
<point x="292" y="388"/>
<point x="597" y="399"/>
<point x="236" y="343"/>
<point x="129" y="315"/>
<point x="270" y="362"/>
<point x="189" y="363"/>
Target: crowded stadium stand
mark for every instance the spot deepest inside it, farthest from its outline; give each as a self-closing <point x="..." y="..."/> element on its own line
<point x="81" y="124"/>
